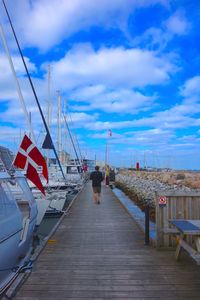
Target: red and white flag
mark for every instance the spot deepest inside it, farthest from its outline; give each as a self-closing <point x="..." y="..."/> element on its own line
<point x="29" y="158"/>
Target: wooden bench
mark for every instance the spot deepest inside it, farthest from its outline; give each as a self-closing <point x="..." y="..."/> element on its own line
<point x="185" y="228"/>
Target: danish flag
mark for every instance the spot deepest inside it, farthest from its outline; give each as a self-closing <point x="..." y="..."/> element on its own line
<point x="29" y="158"/>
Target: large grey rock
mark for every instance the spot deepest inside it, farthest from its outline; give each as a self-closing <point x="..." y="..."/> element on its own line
<point x="146" y="189"/>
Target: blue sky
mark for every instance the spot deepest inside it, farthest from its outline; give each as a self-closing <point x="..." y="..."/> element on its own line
<point x="132" y="66"/>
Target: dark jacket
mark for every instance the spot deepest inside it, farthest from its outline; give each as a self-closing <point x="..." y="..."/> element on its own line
<point x="96" y="178"/>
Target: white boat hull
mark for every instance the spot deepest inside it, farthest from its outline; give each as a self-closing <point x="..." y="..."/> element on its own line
<point x="18" y="213"/>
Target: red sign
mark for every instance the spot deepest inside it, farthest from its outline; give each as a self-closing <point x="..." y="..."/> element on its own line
<point x="162" y="201"/>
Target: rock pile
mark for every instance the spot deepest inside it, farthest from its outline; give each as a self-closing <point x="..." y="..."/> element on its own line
<point x="142" y="185"/>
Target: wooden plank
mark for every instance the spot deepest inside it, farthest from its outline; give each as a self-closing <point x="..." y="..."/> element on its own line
<point x="179" y="206"/>
<point x="99" y="253"/>
<point x="168" y="230"/>
<point x="176" y="193"/>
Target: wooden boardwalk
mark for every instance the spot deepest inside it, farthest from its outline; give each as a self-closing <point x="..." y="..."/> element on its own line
<point x="98" y="252"/>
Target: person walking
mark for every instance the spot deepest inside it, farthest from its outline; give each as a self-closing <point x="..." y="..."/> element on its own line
<point x="96" y="177"/>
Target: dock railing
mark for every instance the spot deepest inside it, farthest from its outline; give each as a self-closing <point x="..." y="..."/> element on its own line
<point x="174" y="205"/>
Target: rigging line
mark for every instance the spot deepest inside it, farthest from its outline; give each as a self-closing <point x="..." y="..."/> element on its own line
<point x="71" y="138"/>
<point x="33" y="89"/>
<point x="76" y="139"/>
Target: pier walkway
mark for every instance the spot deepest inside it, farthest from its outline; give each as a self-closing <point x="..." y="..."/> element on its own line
<point x="98" y="252"/>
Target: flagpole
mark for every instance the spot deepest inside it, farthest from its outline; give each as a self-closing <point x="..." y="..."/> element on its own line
<point x="33" y="89"/>
<point x="108" y="145"/>
<point x="106" y="153"/>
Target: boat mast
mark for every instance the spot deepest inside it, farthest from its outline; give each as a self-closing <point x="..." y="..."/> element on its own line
<point x="65" y="129"/>
<point x="33" y="89"/>
<point x="77" y="143"/>
<point x="58" y="126"/>
<point x="49" y="107"/>
<point x="27" y="115"/>
<point x="65" y="132"/>
<point x="71" y="139"/>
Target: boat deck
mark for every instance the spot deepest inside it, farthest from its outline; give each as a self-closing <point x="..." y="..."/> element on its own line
<point x="98" y="252"/>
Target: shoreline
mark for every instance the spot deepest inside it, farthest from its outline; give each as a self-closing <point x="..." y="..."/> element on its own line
<point x="142" y="186"/>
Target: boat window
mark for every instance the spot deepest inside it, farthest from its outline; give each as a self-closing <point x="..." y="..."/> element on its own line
<point x="7" y="188"/>
<point x="7" y="201"/>
<point x="25" y="189"/>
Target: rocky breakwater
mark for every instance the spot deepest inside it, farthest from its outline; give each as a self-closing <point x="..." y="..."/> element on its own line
<point x="141" y="186"/>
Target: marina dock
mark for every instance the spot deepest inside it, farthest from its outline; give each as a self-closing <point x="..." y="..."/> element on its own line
<point x="98" y="252"/>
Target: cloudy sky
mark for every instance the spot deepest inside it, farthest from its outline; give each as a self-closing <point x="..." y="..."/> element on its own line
<point x="129" y="66"/>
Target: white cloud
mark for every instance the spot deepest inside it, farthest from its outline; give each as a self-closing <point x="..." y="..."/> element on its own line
<point x="158" y="139"/>
<point x="82" y="108"/>
<point x="11" y="110"/>
<point x="191" y="88"/>
<point x="11" y="137"/>
<point x="161" y="141"/>
<point x="104" y="136"/>
<point x="113" y="101"/>
<point x="112" y="80"/>
<point x="178" y="117"/>
<point x="177" y="23"/>
<point x="153" y="38"/>
<point x="7" y="82"/>
<point x="137" y="137"/>
<point x="112" y="67"/>
<point x="169" y="119"/>
<point x="81" y="118"/>
<point x="100" y="125"/>
<point x="9" y="133"/>
<point x="44" y="23"/>
<point x="159" y="37"/>
<point x="17" y="63"/>
<point x="89" y="92"/>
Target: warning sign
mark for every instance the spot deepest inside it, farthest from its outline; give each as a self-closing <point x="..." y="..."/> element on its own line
<point x="162" y="201"/>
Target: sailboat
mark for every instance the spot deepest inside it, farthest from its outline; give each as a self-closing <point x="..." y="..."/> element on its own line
<point x="18" y="213"/>
<point x="58" y="188"/>
<point x="48" y="140"/>
<point x="41" y="201"/>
